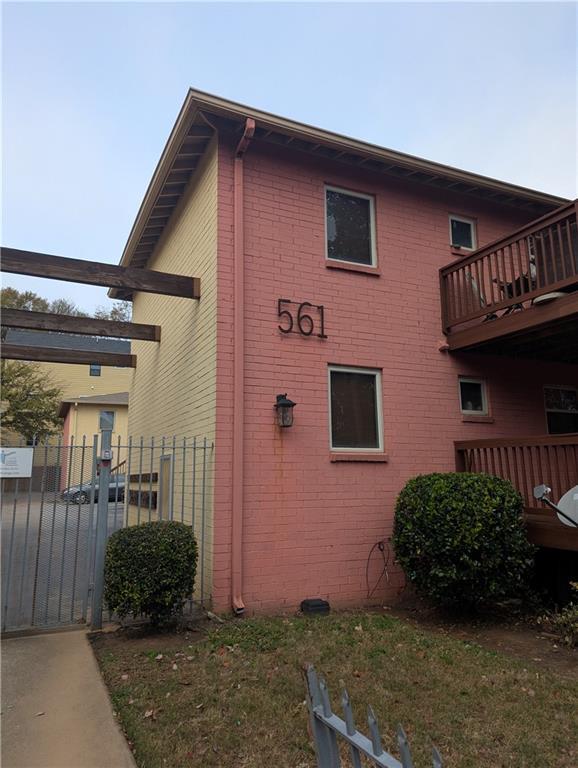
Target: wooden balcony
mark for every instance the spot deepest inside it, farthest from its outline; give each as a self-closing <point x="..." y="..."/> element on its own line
<point x="517" y="296"/>
<point x="527" y="462"/>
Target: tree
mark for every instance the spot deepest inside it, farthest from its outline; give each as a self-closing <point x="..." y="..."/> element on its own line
<point x="11" y="298"/>
<point x="30" y="400"/>
<point x="65" y="307"/>
<point x="120" y="310"/>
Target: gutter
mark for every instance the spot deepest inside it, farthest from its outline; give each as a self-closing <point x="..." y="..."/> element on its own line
<point x="238" y="369"/>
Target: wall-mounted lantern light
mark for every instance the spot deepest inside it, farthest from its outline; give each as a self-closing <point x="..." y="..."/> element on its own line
<point x="284" y="408"/>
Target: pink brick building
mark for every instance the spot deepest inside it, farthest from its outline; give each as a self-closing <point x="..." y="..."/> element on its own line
<point x="319" y="259"/>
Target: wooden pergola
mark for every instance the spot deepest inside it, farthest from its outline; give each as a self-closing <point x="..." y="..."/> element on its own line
<point x="126" y="280"/>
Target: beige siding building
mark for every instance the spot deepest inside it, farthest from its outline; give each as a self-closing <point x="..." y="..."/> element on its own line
<point x="174" y="383"/>
<point x="78" y="380"/>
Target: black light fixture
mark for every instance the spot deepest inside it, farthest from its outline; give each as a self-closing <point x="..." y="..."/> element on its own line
<point x="284" y="408"/>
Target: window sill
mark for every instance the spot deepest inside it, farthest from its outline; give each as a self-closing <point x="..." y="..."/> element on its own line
<point x="358" y="456"/>
<point x="461" y="252"/>
<point x="349" y="267"/>
<point x="478" y="419"/>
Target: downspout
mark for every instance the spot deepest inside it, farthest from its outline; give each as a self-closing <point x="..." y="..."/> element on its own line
<point x="238" y="370"/>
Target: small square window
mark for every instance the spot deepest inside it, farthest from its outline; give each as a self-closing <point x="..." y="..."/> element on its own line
<point x="561" y="409"/>
<point x="462" y="233"/>
<point x="473" y="398"/>
<point x="94" y="369"/>
<point x="355" y="409"/>
<point x="350" y="227"/>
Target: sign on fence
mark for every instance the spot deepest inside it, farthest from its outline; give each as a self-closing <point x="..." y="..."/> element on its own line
<point x="16" y="462"/>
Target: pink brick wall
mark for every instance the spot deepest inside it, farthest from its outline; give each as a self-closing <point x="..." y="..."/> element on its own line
<point x="309" y="523"/>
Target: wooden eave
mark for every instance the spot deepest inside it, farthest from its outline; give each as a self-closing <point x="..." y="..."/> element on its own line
<point x="203" y="113"/>
<point x="123" y="279"/>
<point x="83" y="326"/>
<point x="30" y="353"/>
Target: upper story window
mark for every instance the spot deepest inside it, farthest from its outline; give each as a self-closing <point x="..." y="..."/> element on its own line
<point x="462" y="233"/>
<point x="473" y="397"/>
<point x="350" y="227"/>
<point x="355" y="409"/>
<point x="561" y="409"/>
<point x="94" y="369"/>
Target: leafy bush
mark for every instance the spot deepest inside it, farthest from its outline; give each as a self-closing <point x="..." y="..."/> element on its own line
<point x="150" y="569"/>
<point x="460" y="539"/>
<point x="565" y="622"/>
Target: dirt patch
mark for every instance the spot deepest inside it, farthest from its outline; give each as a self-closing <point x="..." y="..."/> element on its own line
<point x="145" y="638"/>
<point x="520" y="637"/>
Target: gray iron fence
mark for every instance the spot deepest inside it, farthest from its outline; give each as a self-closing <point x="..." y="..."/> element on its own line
<point x="326" y="727"/>
<point x="49" y="520"/>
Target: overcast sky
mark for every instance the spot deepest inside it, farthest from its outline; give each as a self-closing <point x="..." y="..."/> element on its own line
<point x="90" y="93"/>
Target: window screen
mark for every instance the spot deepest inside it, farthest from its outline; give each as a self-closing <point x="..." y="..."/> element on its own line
<point x="462" y="233"/>
<point x="561" y="410"/>
<point x="472" y="397"/>
<point x="349" y="227"/>
<point x="354" y="410"/>
<point x="107" y="419"/>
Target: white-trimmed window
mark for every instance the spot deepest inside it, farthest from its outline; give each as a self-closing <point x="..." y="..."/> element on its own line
<point x="355" y="417"/>
<point x="350" y="227"/>
<point x="462" y="233"/>
<point x="561" y="405"/>
<point x="473" y="397"/>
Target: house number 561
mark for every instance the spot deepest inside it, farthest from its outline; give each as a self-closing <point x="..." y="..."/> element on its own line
<point x="304" y="318"/>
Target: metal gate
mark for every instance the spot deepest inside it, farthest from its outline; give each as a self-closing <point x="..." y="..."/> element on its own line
<point x="49" y="520"/>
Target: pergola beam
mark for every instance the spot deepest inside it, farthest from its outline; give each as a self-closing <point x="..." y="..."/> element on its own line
<point x="73" y="356"/>
<point x="127" y="279"/>
<point x="84" y="326"/>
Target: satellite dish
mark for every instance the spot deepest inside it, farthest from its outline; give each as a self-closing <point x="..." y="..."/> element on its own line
<point x="546" y="298"/>
<point x="568" y="504"/>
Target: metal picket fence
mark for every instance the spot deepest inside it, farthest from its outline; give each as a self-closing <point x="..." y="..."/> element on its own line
<point x="49" y="520"/>
<point x="327" y="727"/>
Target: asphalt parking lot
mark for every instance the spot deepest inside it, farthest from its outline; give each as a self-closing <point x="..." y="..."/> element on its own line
<point x="47" y="545"/>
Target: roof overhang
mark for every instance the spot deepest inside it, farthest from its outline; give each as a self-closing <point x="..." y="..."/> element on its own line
<point x="203" y="114"/>
<point x="116" y="399"/>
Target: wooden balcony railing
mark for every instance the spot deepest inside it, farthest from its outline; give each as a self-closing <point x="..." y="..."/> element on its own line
<point x="509" y="273"/>
<point x="527" y="462"/>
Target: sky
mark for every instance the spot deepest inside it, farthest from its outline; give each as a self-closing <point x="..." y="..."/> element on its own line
<point x="90" y="92"/>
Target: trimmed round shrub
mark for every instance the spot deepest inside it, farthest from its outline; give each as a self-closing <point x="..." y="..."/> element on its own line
<point x="150" y="569"/>
<point x="460" y="539"/>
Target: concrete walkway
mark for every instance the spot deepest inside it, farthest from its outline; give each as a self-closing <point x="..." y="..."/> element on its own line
<point x="57" y="675"/>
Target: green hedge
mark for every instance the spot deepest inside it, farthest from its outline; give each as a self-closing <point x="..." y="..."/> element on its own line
<point x="150" y="569"/>
<point x="460" y="539"/>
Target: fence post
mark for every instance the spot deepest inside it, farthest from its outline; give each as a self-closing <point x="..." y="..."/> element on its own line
<point x="101" y="519"/>
<point x="324" y="739"/>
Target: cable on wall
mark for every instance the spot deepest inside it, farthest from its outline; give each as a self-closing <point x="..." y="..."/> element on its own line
<point x="384" y="547"/>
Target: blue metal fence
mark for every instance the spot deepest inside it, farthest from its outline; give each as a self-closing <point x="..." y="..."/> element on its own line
<point x="327" y="728"/>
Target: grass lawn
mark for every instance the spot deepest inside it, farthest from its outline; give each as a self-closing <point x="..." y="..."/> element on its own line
<point x="233" y="694"/>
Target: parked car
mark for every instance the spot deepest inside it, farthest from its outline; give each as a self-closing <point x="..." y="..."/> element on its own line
<point x="80" y="494"/>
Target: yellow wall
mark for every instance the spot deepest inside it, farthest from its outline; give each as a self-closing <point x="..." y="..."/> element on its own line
<point x="76" y="381"/>
<point x="174" y="386"/>
<point x="84" y="420"/>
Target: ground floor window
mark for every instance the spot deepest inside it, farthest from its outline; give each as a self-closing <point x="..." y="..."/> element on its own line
<point x="106" y="419"/>
<point x="473" y="397"/>
<point x="561" y="409"/>
<point x="355" y="409"/>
